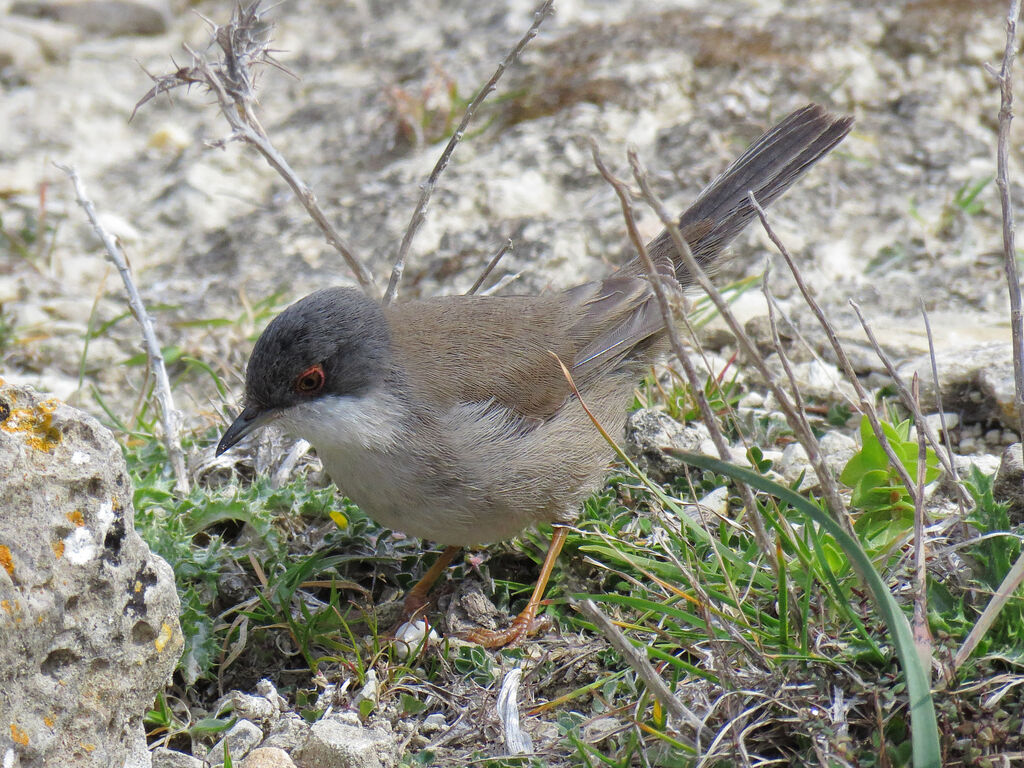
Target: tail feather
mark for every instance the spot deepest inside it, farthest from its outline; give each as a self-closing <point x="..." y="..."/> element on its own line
<point x="768" y="168"/>
<point x="618" y="314"/>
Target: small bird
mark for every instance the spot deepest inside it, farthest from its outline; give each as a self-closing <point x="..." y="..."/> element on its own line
<point x="451" y="419"/>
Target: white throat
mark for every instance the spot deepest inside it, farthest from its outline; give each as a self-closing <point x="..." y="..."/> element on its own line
<point x="343" y="423"/>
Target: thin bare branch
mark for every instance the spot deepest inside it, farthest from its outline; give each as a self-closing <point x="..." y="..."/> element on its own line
<point x="923" y="641"/>
<point x="866" y="406"/>
<point x="1015" y="577"/>
<point x="798" y="399"/>
<point x="504" y="281"/>
<point x="244" y="45"/>
<point x="420" y="213"/>
<point x="637" y="659"/>
<point x="505" y="248"/>
<point x="658" y="284"/>
<point x="913" y="404"/>
<point x="1004" y="79"/>
<point x="170" y="417"/>
<point x="963" y="497"/>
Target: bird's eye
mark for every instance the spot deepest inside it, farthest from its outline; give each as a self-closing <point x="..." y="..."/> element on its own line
<point x="310" y="381"/>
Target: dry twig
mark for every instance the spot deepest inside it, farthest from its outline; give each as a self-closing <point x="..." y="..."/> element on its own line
<point x="420" y="213"/>
<point x="796" y="420"/>
<point x="244" y="44"/>
<point x="637" y="659"/>
<point x="1004" y="79"/>
<point x="866" y="406"/>
<point x="922" y="633"/>
<point x="658" y="282"/>
<point x="913" y="404"/>
<point x="962" y="497"/>
<point x="170" y="417"/>
<point x="505" y="248"/>
<point x="1015" y="577"/>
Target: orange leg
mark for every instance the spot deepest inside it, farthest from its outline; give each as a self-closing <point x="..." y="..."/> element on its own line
<point x="416" y="598"/>
<point x="525" y="623"/>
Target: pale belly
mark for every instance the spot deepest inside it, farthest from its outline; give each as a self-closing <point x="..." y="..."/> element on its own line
<point x="478" y="477"/>
<point x="394" y="497"/>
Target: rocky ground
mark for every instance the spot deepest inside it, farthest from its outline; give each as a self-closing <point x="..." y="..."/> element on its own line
<point x="904" y="213"/>
<point x="213" y="231"/>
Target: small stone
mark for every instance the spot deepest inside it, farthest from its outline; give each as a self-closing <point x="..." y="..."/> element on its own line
<point x="267" y="757"/>
<point x="469" y="608"/>
<point x="433" y="723"/>
<point x="168" y="758"/>
<point x="937" y="420"/>
<point x="600" y="729"/>
<point x="241" y="739"/>
<point x="255" y="709"/>
<point x="751" y="400"/>
<point x="54" y="40"/>
<point x="336" y="744"/>
<point x="996" y="382"/>
<point x="794" y="462"/>
<point x="713" y="506"/>
<point x="19" y="55"/>
<point x="369" y="691"/>
<point x="650" y="433"/>
<point x="409" y="637"/>
<point x="837" y="448"/>
<point x="102" y="18"/>
<point x="289" y="733"/>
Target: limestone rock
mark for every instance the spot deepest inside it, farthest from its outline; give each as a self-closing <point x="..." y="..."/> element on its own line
<point x="977" y="382"/>
<point x="650" y="433"/>
<point x="335" y="742"/>
<point x="837" y="448"/>
<point x="241" y="739"/>
<point x="102" y="18"/>
<point x="795" y="464"/>
<point x="89" y="627"/>
<point x="289" y="733"/>
<point x="168" y="758"/>
<point x="267" y="757"/>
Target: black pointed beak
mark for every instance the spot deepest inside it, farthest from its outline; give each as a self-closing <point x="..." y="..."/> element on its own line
<point x="249" y="420"/>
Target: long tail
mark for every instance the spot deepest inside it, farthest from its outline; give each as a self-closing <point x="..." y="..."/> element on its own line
<point x="768" y="168"/>
<point x="619" y="313"/>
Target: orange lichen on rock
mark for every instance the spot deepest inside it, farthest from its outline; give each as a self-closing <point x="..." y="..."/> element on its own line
<point x="10" y="607"/>
<point x="76" y="517"/>
<point x="58" y="549"/>
<point x="35" y="422"/>
<point x="6" y="560"/>
<point x="19" y="735"/>
<point x="166" y="633"/>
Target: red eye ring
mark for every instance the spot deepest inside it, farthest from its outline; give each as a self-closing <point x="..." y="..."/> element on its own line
<point x="310" y="381"/>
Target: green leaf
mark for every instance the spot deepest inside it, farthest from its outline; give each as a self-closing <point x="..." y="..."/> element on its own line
<point x="925" y="732"/>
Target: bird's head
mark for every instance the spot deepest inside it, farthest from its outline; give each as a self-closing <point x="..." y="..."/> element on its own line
<point x="333" y="343"/>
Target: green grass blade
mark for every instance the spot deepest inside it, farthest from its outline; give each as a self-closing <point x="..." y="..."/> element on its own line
<point x="925" y="732"/>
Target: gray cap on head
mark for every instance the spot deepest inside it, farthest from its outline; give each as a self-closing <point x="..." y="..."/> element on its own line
<point x="340" y="329"/>
<point x="334" y="341"/>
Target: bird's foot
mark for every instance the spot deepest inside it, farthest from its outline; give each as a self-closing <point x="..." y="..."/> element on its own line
<point x="525" y="625"/>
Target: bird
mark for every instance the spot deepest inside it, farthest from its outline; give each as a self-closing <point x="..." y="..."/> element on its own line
<point x="451" y="418"/>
